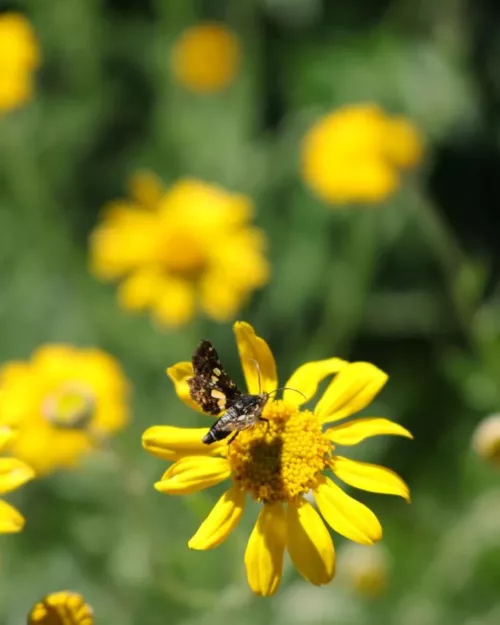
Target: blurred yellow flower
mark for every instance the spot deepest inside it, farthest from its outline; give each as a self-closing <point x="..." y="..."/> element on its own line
<point x="191" y="245"/>
<point x="486" y="439"/>
<point x="61" y="608"/>
<point x="365" y="570"/>
<point x="355" y="154"/>
<point x="13" y="474"/>
<point x="63" y="403"/>
<point x="19" y="58"/>
<point x="281" y="462"/>
<point x="206" y="57"/>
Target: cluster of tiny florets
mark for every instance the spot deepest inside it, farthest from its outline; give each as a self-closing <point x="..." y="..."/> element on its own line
<point x="282" y="459"/>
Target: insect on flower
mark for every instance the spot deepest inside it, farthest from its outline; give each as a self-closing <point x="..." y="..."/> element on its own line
<point x="281" y="465"/>
<point x="215" y="391"/>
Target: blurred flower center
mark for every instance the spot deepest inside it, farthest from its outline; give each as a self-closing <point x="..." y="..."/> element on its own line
<point x="183" y="255"/>
<point x="70" y="407"/>
<point x="283" y="459"/>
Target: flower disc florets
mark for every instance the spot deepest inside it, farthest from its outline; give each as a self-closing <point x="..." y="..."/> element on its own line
<point x="282" y="459"/>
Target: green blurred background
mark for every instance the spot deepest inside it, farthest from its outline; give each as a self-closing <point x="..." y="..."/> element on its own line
<point x="409" y="285"/>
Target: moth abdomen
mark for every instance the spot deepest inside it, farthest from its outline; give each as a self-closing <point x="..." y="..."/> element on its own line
<point x="213" y="435"/>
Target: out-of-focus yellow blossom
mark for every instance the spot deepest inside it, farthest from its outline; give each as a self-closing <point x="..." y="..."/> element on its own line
<point x="191" y="245"/>
<point x="19" y="58"/>
<point x="206" y="57"/>
<point x="13" y="474"/>
<point x="486" y="439"/>
<point x="63" y="403"/>
<point x="355" y="154"/>
<point x="364" y="569"/>
<point x="280" y="462"/>
<point x="61" y="608"/>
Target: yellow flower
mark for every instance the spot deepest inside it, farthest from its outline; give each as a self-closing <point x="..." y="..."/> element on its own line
<point x="206" y="57"/>
<point x="280" y="462"/>
<point x="61" y="608"/>
<point x="13" y="473"/>
<point x="486" y="439"/>
<point x="19" y="58"/>
<point x="354" y="154"/>
<point x="63" y="403"/>
<point x="365" y="570"/>
<point x="189" y="246"/>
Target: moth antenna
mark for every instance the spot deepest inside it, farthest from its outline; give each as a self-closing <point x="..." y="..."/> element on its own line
<point x="287" y="388"/>
<point x="258" y="373"/>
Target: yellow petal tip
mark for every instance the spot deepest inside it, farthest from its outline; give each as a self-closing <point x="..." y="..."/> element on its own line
<point x="194" y="544"/>
<point x="29" y="473"/>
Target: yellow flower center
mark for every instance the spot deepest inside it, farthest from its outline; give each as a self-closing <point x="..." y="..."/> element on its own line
<point x="183" y="255"/>
<point x="70" y="407"/>
<point x="283" y="459"/>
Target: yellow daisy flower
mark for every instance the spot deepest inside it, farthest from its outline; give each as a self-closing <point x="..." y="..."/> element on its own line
<point x="355" y="154"/>
<point x="61" y="608"/>
<point x="19" y="58"/>
<point x="63" y="403"/>
<point x="13" y="474"/>
<point x="191" y="245"/>
<point x="280" y="462"/>
<point x="206" y="57"/>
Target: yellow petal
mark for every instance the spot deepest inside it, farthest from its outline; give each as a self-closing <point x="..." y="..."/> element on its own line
<point x="354" y="432"/>
<point x="179" y="375"/>
<point x="221" y="521"/>
<point x="175" y="304"/>
<point x="7" y="435"/>
<point x="352" y="389"/>
<point x="369" y="477"/>
<point x="10" y="519"/>
<point x="193" y="473"/>
<point x="140" y="289"/>
<point x="253" y="350"/>
<point x="310" y="545"/>
<point x="265" y="549"/>
<point x="346" y="515"/>
<point x="172" y="443"/>
<point x="14" y="473"/>
<point x="307" y="377"/>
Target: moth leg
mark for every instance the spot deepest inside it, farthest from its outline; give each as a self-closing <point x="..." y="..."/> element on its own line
<point x="232" y="439"/>
<point x="266" y="421"/>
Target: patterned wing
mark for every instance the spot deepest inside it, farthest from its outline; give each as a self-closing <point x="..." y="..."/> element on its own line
<point x="211" y="387"/>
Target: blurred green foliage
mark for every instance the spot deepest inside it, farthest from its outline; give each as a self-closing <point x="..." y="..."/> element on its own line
<point x="392" y="284"/>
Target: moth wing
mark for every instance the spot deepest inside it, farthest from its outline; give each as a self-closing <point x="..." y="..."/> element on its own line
<point x="211" y="387"/>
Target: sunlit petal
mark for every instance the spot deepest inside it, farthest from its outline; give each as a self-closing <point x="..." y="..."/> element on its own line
<point x="265" y="549"/>
<point x="347" y="516"/>
<point x="10" y="519"/>
<point x="221" y="521"/>
<point x="179" y="374"/>
<point x="172" y="443"/>
<point x="193" y="473"/>
<point x="353" y="432"/>
<point x="306" y="379"/>
<point x="371" y="477"/>
<point x="257" y="359"/>
<point x="309" y="544"/>
<point x="14" y="473"/>
<point x="7" y="435"/>
<point x="352" y="389"/>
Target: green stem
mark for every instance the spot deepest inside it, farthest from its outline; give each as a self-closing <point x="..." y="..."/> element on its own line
<point x="348" y="282"/>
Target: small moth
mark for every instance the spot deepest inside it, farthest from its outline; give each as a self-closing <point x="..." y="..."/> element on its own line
<point x="215" y="392"/>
